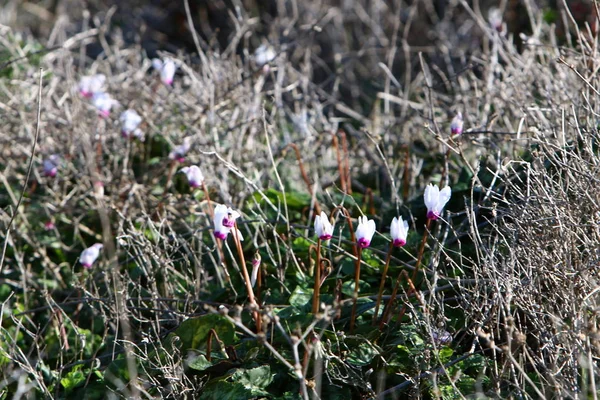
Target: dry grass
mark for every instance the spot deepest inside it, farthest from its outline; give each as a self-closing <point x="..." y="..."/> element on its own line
<point x="510" y="272"/>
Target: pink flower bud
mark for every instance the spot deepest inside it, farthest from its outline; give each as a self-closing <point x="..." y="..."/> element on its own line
<point x="456" y="126"/>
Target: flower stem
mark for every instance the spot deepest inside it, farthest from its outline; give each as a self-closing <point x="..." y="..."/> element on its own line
<point x="317" y="287"/>
<point x="355" y="295"/>
<point x="388" y="308"/>
<point x="421" y="249"/>
<point x="253" y="303"/>
<point x="382" y="284"/>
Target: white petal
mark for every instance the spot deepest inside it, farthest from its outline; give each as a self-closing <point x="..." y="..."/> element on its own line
<point x="157" y="63"/>
<point x="444" y="197"/>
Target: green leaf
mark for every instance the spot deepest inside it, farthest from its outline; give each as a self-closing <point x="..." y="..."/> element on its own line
<point x="301" y="297"/>
<point x="193" y="332"/>
<point x="445" y="354"/>
<point x="348" y="287"/>
<point x="255" y="379"/>
<point x="72" y="380"/>
<point x="363" y="354"/>
<point x="200" y="363"/>
<point x="223" y="390"/>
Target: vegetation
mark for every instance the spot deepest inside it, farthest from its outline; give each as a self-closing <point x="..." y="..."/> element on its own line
<point x="492" y="294"/>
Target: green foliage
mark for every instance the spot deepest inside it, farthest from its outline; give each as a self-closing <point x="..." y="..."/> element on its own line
<point x="194" y="332"/>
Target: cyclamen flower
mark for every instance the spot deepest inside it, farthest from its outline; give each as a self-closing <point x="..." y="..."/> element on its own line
<point x="456" y="126"/>
<point x="180" y="151"/>
<point x="255" y="266"/>
<point x="130" y="120"/>
<point x="264" y="54"/>
<point x="224" y="221"/>
<point x="167" y="69"/>
<point x="399" y="231"/>
<point x="90" y="85"/>
<point x="51" y="166"/>
<point x="323" y="227"/>
<point x="103" y="102"/>
<point x="194" y="175"/>
<point x="365" y="232"/>
<point x="435" y="200"/>
<point x="89" y="255"/>
<point x="495" y="19"/>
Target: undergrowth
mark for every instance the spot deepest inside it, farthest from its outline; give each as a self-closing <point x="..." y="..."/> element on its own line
<point x="495" y="298"/>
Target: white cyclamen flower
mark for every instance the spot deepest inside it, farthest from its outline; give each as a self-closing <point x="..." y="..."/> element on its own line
<point x="180" y="151"/>
<point x="194" y="175"/>
<point x="103" y="102"/>
<point x="264" y="54"/>
<point x="456" y="126"/>
<point x="323" y="228"/>
<point x="365" y="231"/>
<point x="89" y="255"/>
<point x="130" y="120"/>
<point x="255" y="266"/>
<point x="90" y="85"/>
<point x="224" y="221"/>
<point x="435" y="200"/>
<point x="495" y="19"/>
<point x="167" y="68"/>
<point x="399" y="231"/>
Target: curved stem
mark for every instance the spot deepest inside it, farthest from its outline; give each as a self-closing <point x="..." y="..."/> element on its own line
<point x="382" y="284"/>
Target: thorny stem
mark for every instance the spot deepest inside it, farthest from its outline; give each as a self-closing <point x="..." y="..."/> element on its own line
<point x="304" y="176"/>
<point x="382" y="284"/>
<point x="355" y="295"/>
<point x="317" y="287"/>
<point x="253" y="303"/>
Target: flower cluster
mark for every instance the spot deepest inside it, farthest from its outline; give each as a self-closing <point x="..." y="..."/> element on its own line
<point x="435" y="200"/>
